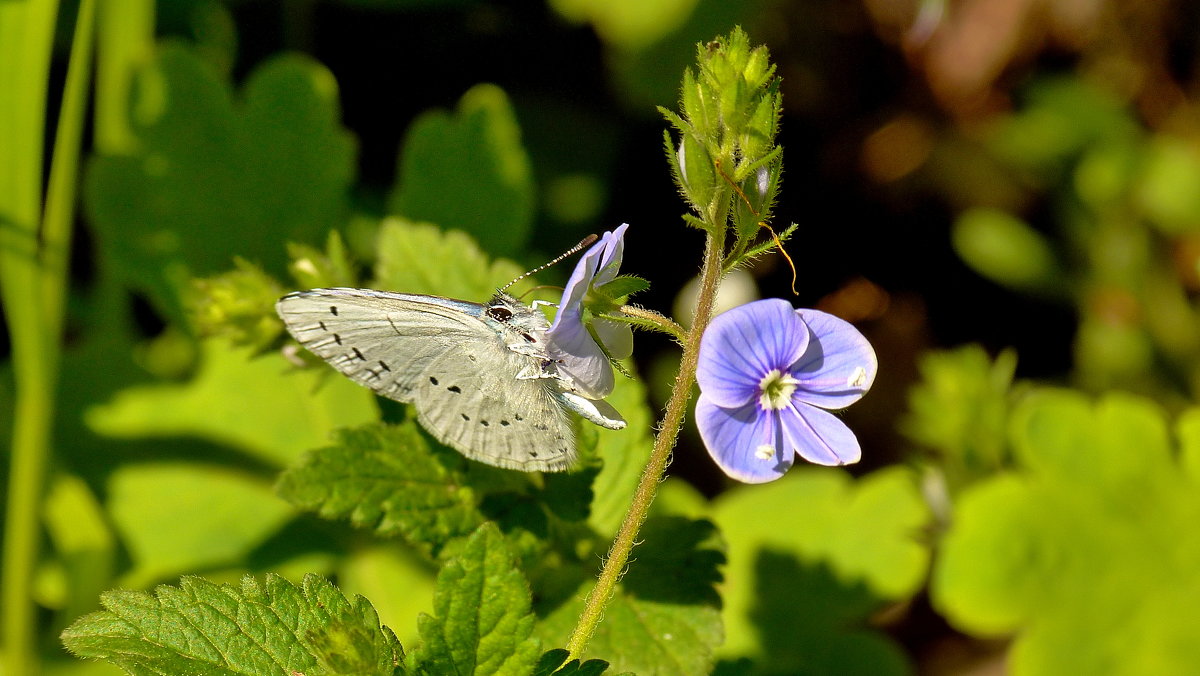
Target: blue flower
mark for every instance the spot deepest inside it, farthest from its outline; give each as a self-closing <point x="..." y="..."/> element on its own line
<point x="580" y="361"/>
<point x="766" y="374"/>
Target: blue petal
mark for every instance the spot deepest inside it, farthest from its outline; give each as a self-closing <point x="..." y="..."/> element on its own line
<point x="746" y="343"/>
<point x="579" y="358"/>
<point x="839" y="366"/>
<point x="617" y="337"/>
<point x="818" y="436"/>
<point x="733" y="437"/>
<point x="610" y="261"/>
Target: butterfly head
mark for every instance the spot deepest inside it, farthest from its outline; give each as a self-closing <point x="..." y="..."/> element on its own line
<point x="511" y="316"/>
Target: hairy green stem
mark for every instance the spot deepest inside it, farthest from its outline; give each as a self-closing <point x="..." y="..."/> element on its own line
<point x="664" y="442"/>
<point x="655" y="321"/>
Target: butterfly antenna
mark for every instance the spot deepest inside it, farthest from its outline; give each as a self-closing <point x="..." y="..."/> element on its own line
<point x="586" y="241"/>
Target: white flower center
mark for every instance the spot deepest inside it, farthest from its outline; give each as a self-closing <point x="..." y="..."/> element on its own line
<point x="764" y="452"/>
<point x="776" y="388"/>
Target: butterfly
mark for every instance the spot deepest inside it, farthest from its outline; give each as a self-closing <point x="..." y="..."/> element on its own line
<point x="479" y="375"/>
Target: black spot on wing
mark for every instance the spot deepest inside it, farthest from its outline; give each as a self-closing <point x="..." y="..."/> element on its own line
<point x="337" y="339"/>
<point x="358" y="354"/>
<point x="455" y="389"/>
<point x="432" y="380"/>
<point x="333" y="310"/>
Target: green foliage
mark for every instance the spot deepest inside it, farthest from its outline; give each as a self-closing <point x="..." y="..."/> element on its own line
<point x="421" y="258"/>
<point x="555" y="663"/>
<point x="1008" y="251"/>
<point x="313" y="268"/>
<point x="1118" y="198"/>
<point x="1089" y="538"/>
<point x="665" y="617"/>
<point x="960" y="411"/>
<point x="147" y="502"/>
<point x="209" y="170"/>
<point x="237" y="305"/>
<point x="390" y="479"/>
<point x="815" y="555"/>
<point x="469" y="172"/>
<point x="482" y="622"/>
<point x="275" y="415"/>
<point x="726" y="163"/>
<point x="256" y="629"/>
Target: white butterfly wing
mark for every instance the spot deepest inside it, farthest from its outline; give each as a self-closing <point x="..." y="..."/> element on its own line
<point x="440" y="355"/>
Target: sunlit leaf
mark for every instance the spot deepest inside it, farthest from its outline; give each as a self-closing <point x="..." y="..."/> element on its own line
<point x="468" y="171"/>
<point x="271" y="627"/>
<point x="1090" y="539"/>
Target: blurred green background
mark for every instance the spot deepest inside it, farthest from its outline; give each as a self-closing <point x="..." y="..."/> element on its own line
<point x="1003" y="196"/>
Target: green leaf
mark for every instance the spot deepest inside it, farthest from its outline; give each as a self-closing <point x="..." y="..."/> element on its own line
<point x="258" y="405"/>
<point x="665" y="617"/>
<point x="1167" y="187"/>
<point x="554" y="663"/>
<point x="624" y="453"/>
<point x="415" y="258"/>
<point x="811" y="557"/>
<point x="274" y="165"/>
<point x="398" y="581"/>
<point x="1008" y="251"/>
<point x="1087" y="552"/>
<point x="391" y="479"/>
<point x="258" y="629"/>
<point x="469" y="171"/>
<point x="483" y="621"/>
<point x="623" y="286"/>
<point x="960" y="410"/>
<point x="82" y="541"/>
<point x="177" y="517"/>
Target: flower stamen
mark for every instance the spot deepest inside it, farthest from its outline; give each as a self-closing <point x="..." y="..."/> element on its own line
<point x="776" y="390"/>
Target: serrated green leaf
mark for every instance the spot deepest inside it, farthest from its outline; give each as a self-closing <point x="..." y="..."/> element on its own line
<point x="483" y="621"/>
<point x="398" y="581"/>
<point x="624" y="453"/>
<point x="258" y="629"/>
<point x="210" y="171"/>
<point x="420" y="258"/>
<point x="554" y="663"/>
<point x="468" y="171"/>
<point x="665" y="616"/>
<point x="813" y="555"/>
<point x="260" y="405"/>
<point x="1088" y="552"/>
<point x="624" y="285"/>
<point x="178" y="517"/>
<point x="390" y="479"/>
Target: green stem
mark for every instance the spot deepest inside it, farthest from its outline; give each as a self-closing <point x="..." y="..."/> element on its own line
<point x="33" y="284"/>
<point x="649" y="319"/>
<point x="26" y="36"/>
<point x="664" y="442"/>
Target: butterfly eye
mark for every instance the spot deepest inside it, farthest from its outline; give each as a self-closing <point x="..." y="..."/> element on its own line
<point x="499" y="313"/>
